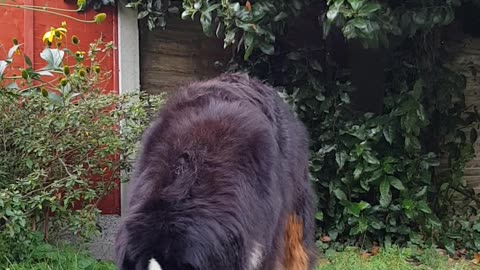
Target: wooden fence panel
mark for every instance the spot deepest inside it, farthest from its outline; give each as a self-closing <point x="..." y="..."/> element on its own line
<point x="28" y="28"/>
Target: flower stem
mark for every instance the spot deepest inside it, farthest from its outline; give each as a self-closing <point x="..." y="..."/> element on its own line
<point x="42" y="8"/>
<point x="33" y="8"/>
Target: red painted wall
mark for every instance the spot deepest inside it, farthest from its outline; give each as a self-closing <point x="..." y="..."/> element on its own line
<point x="28" y="27"/>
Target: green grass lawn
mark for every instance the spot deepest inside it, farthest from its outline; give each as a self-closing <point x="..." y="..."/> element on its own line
<point x="48" y="257"/>
<point x="392" y="259"/>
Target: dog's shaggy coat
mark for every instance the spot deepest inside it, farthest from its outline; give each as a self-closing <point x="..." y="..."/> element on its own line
<point x="221" y="183"/>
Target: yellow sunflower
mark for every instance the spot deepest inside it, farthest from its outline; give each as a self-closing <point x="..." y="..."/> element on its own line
<point x="54" y="33"/>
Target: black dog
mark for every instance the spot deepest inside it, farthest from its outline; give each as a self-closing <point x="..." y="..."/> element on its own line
<point x="221" y="184"/>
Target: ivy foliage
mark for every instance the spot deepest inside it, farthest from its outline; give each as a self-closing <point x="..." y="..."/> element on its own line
<point x="378" y="176"/>
<point x="395" y="175"/>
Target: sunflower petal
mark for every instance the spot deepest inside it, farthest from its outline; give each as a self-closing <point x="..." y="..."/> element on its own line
<point x="52" y="35"/>
<point x="46" y="36"/>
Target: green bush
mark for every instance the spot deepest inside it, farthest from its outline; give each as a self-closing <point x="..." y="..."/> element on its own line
<point x="61" y="147"/>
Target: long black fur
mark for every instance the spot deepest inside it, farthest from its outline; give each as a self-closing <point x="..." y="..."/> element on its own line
<point x="221" y="168"/>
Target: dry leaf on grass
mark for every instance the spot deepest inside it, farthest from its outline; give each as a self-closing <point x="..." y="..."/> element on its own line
<point x="323" y="261"/>
<point x="325" y="239"/>
<point x="365" y="255"/>
<point x="375" y="250"/>
<point x="442" y="252"/>
<point x="476" y="259"/>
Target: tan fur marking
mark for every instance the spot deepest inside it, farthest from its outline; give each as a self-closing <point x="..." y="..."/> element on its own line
<point x="296" y="258"/>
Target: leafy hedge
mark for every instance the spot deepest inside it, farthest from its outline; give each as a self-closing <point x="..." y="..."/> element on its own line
<point x="61" y="149"/>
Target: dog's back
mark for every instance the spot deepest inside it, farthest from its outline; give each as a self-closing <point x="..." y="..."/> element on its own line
<point x="221" y="183"/>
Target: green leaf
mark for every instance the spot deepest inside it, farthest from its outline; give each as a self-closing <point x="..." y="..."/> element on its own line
<point x="476" y="227"/>
<point x="363" y="205"/>
<point x="421" y="192"/>
<point x="449" y="245"/>
<point x="319" y="216"/>
<point x="356" y="4"/>
<point x="9" y="212"/>
<point x="408" y="204"/>
<point x="235" y="6"/>
<point x="340" y="194"/>
<point x="385" y="195"/>
<point x="29" y="163"/>
<point x="84" y="263"/>
<point x="344" y="97"/>
<point x="186" y="14"/>
<point x="388" y="168"/>
<point x="361" y="24"/>
<point x="376" y="175"/>
<point x="267" y="48"/>
<point x="368" y="157"/>
<point x="358" y="171"/>
<point x="396" y="183"/>
<point x="229" y="37"/>
<point x="12" y="85"/>
<point x="27" y="60"/>
<point x="418" y="89"/>
<point x="444" y="186"/>
<point x="364" y="184"/>
<point x="476" y="242"/>
<point x="421" y="113"/>
<point x="422" y="206"/>
<point x="412" y="143"/>
<point x="315" y="65"/>
<point x="332" y="14"/>
<point x="297" y="4"/>
<point x="449" y="16"/>
<point x="212" y="7"/>
<point x="142" y="14"/>
<point x="280" y="16"/>
<point x="197" y="5"/>
<point x="355" y="230"/>
<point x="377" y="225"/>
<point x="55" y="98"/>
<point x="45" y="73"/>
<point x="353" y="209"/>
<point x="54" y="58"/>
<point x="206" y="21"/>
<point x="341" y="157"/>
<point x="220" y="30"/>
<point x="249" y="43"/>
<point x="432" y="160"/>
<point x="388" y="133"/>
<point x="434" y="221"/>
<point x="438" y="16"/>
<point x="356" y="208"/>
<point x="369" y="8"/>
<point x="420" y="17"/>
<point x="294" y="56"/>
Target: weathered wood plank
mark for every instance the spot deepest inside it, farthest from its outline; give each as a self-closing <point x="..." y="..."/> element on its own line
<point x="177" y="55"/>
<point x="467" y="59"/>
